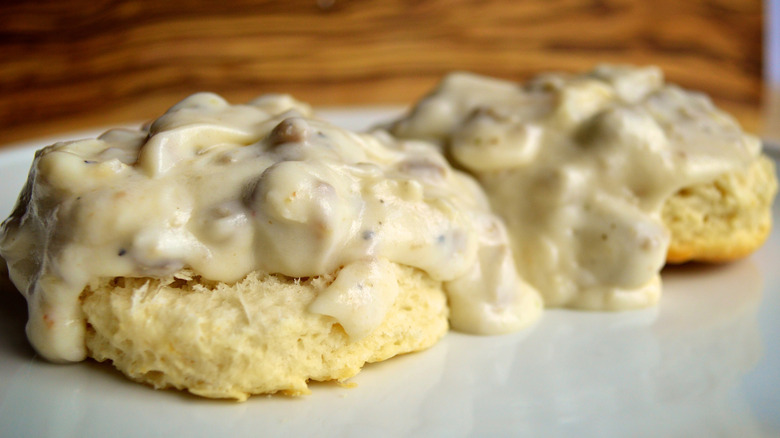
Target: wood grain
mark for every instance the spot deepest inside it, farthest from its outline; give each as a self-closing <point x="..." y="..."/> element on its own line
<point x="76" y="64"/>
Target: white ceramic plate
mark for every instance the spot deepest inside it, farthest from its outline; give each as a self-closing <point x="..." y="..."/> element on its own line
<point x="706" y="363"/>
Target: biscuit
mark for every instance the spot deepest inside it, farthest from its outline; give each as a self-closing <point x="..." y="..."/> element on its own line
<point x="722" y="220"/>
<point x="255" y="336"/>
<point x="232" y="250"/>
<point x="580" y="166"/>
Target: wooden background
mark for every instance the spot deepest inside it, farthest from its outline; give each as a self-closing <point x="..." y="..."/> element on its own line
<point x="76" y="64"/>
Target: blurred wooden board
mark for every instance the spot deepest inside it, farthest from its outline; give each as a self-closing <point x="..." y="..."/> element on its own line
<point x="78" y="64"/>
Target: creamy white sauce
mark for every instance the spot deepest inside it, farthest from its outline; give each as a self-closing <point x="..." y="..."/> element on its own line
<point x="579" y="167"/>
<point x="225" y="189"/>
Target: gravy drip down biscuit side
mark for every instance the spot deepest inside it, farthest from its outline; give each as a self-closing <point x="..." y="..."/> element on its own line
<point x="221" y="191"/>
<point x="579" y="166"/>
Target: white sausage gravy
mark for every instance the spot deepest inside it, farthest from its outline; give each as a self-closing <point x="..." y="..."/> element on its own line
<point x="225" y="189"/>
<point x="579" y="167"/>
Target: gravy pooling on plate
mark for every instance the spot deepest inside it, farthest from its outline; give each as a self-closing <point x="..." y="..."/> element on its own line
<point x="579" y="167"/>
